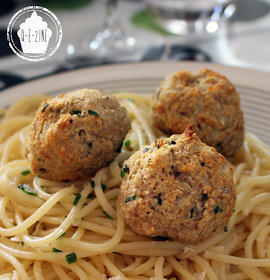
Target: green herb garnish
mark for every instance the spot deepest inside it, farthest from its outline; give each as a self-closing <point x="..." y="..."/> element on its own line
<point x="172" y="142"/>
<point x="61" y="235"/>
<point x="44" y="107"/>
<point x="81" y="132"/>
<point x="77" y="112"/>
<point x="90" y="144"/>
<point x="77" y="198"/>
<point x="202" y="164"/>
<point x="146" y="150"/>
<point x="25" y="188"/>
<point x="127" y="143"/>
<point x="92" y="184"/>
<point x="56" y="250"/>
<point x="130" y="198"/>
<point x="124" y="170"/>
<point x="71" y="258"/>
<point x="226" y="229"/>
<point x="93" y="113"/>
<point x="104" y="187"/>
<point x="22" y="243"/>
<point x="26" y="172"/>
<point x="216" y="209"/>
<point x="159" y="199"/>
<point x="105" y="213"/>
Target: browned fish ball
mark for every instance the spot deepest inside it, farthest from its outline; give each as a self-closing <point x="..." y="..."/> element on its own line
<point x="177" y="187"/>
<point x="76" y="134"/>
<point x="205" y="99"/>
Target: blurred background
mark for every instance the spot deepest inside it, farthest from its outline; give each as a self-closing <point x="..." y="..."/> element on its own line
<point x="97" y="32"/>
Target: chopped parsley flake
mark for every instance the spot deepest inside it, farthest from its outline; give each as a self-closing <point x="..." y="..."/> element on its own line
<point x="146" y="150"/>
<point x="77" y="198"/>
<point x="77" y="112"/>
<point x="226" y="229"/>
<point x="233" y="210"/>
<point x="92" y="184"/>
<point x="71" y="258"/>
<point x="128" y="199"/>
<point x="56" y="250"/>
<point x="124" y="170"/>
<point x="22" y="243"/>
<point x="26" y="172"/>
<point x="61" y="235"/>
<point x="202" y="164"/>
<point x="42" y="169"/>
<point x="104" y="187"/>
<point x="172" y="142"/>
<point x="90" y="144"/>
<point x="221" y="210"/>
<point x="93" y="113"/>
<point x="159" y="199"/>
<point x="90" y="197"/>
<point x="127" y="143"/>
<point x="44" y="107"/>
<point x="216" y="209"/>
<point x="25" y="188"/>
<point x="106" y="214"/>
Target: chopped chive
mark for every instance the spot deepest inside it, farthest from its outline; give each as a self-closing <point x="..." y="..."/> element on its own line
<point x="93" y="113"/>
<point x="40" y="131"/>
<point x="104" y="187"/>
<point x="130" y="198"/>
<point x="158" y="145"/>
<point x="26" y="172"/>
<point x="44" y="107"/>
<point x="122" y="173"/>
<point x="61" y="235"/>
<point x="38" y="176"/>
<point x="92" y="184"/>
<point x="22" y="243"/>
<point x="56" y="250"/>
<point x="90" y="197"/>
<point x="77" y="112"/>
<point x="172" y="142"/>
<point x="221" y="210"/>
<point x="146" y="150"/>
<point x="159" y="199"/>
<point x="42" y="169"/>
<point x="117" y="253"/>
<point x="127" y="143"/>
<point x="118" y="150"/>
<point x="71" y="258"/>
<point x="158" y="94"/>
<point x="216" y="209"/>
<point x="233" y="210"/>
<point x="25" y="188"/>
<point x="202" y="164"/>
<point x="77" y="198"/>
<point x="191" y="213"/>
<point x="82" y="218"/>
<point x="38" y="159"/>
<point x="90" y="144"/>
<point x="106" y="214"/>
<point x="226" y="229"/>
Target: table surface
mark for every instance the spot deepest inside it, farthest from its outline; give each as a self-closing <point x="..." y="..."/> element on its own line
<point x="242" y="43"/>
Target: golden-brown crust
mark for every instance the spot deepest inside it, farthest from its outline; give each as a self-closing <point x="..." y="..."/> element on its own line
<point x="58" y="143"/>
<point x="205" y="99"/>
<point x="184" y="189"/>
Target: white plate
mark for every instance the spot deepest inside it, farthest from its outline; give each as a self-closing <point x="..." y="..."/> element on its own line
<point x="253" y="86"/>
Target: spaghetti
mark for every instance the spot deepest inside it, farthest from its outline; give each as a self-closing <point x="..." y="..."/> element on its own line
<point x="63" y="230"/>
